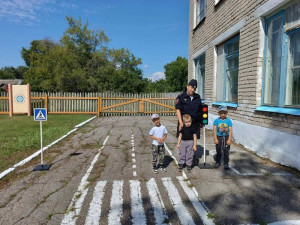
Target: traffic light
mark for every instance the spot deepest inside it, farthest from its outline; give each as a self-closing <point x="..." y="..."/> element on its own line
<point x="204" y="114"/>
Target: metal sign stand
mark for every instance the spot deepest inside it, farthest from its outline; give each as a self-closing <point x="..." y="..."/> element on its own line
<point x="40" y="116"/>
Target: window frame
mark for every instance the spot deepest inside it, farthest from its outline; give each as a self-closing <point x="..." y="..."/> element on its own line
<point x="280" y="107"/>
<point x="197" y="9"/>
<point x="226" y="58"/>
<point x="198" y="74"/>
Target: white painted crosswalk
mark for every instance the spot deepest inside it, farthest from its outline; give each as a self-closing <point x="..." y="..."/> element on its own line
<point x="137" y="204"/>
<point x="116" y="210"/>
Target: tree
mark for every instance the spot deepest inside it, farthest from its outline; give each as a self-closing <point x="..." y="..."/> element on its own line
<point x="12" y="72"/>
<point x="127" y="77"/>
<point x="176" y="74"/>
<point x="81" y="62"/>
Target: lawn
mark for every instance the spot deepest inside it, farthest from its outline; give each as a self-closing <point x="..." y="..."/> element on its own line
<point x="20" y="135"/>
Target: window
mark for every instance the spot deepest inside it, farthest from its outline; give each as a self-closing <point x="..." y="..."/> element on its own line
<point x="281" y="79"/>
<point x="200" y="75"/>
<point x="292" y="95"/>
<point x="200" y="11"/>
<point x="231" y="70"/>
<point x="227" y="71"/>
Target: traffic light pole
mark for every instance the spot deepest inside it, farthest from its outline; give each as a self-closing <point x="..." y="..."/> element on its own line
<point x="204" y="151"/>
<point x="204" y="165"/>
<point x="204" y="122"/>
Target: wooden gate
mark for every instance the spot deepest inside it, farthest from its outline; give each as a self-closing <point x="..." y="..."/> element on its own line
<point x="100" y="104"/>
<point x="137" y="105"/>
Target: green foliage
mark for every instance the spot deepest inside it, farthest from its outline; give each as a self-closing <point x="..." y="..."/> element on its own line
<point x="12" y="72"/>
<point x="81" y="62"/>
<point x="20" y="135"/>
<point x="177" y="74"/>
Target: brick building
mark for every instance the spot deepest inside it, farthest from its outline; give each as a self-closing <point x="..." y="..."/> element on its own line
<point x="245" y="54"/>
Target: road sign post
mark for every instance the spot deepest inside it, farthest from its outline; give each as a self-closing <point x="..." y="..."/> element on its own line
<point x="40" y="114"/>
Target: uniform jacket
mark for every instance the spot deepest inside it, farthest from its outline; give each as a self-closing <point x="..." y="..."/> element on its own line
<point x="186" y="106"/>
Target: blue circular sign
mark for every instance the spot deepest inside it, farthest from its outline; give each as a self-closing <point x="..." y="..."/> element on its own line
<point x="20" y="98"/>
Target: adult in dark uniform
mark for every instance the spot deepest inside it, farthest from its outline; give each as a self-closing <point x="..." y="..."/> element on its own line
<point x="189" y="102"/>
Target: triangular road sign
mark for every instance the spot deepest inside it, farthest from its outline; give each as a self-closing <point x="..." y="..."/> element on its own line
<point x="40" y="116"/>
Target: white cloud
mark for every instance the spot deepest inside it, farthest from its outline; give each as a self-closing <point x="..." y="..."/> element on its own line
<point x="24" y="11"/>
<point x="146" y="66"/>
<point x="21" y="11"/>
<point x="69" y="5"/>
<point x="157" y="76"/>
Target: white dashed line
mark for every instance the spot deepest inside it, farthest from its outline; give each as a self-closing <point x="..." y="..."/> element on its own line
<point x="75" y="206"/>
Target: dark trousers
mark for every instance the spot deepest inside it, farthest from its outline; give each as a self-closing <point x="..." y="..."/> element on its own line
<point x="222" y="146"/>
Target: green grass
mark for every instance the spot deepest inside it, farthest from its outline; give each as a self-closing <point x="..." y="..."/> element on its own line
<point x="20" y="135"/>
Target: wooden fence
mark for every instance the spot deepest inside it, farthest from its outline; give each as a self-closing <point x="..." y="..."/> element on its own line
<point x="101" y="104"/>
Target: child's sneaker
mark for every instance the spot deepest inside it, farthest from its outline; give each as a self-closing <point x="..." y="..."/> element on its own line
<point x="163" y="169"/>
<point x="180" y="167"/>
<point x="189" y="169"/>
<point x="226" y="167"/>
<point x="217" y="165"/>
<point x="154" y="170"/>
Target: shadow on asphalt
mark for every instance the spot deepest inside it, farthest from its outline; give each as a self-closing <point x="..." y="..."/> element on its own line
<point x="167" y="160"/>
<point x="70" y="155"/>
<point x="264" y="199"/>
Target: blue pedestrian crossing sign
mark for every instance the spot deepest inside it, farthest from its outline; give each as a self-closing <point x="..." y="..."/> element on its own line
<point x="40" y="114"/>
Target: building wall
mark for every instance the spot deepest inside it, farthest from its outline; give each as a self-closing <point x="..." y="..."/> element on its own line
<point x="213" y="30"/>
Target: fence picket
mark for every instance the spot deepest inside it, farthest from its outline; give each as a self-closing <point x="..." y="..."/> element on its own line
<point x="73" y="105"/>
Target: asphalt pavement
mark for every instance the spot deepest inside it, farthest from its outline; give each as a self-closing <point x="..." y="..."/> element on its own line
<point x="101" y="174"/>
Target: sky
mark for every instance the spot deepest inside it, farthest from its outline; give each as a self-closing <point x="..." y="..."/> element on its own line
<point x="154" y="30"/>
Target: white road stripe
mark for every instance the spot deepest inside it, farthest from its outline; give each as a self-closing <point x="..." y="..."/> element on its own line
<point x="283" y="222"/>
<point x="156" y="202"/>
<point x="116" y="203"/>
<point x="133" y="155"/>
<point x="201" y="210"/>
<point x="94" y="213"/>
<point x="134" y="173"/>
<point x="79" y="196"/>
<point x="182" y="212"/>
<point x="137" y="210"/>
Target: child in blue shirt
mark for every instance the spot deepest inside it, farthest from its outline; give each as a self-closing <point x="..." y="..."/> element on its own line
<point x="222" y="136"/>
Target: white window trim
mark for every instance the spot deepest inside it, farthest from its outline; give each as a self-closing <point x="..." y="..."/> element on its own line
<point x="269" y="7"/>
<point x="199" y="52"/>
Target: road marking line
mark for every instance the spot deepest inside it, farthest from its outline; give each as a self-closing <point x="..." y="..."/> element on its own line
<point x="137" y="210"/>
<point x="133" y="154"/>
<point x="74" y="208"/>
<point x="133" y="166"/>
<point x="116" y="203"/>
<point x="156" y="202"/>
<point x="182" y="212"/>
<point x="283" y="222"/>
<point x="94" y="213"/>
<point x="21" y="163"/>
<point x="201" y="210"/>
